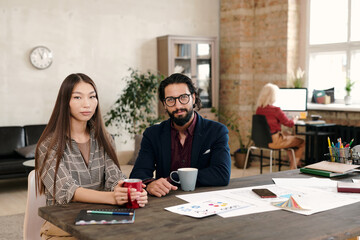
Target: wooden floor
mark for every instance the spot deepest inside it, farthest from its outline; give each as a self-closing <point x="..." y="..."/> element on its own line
<point x="13" y="192"/>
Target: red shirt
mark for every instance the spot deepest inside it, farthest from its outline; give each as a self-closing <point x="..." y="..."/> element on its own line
<point x="275" y="117"/>
<point x="181" y="155"/>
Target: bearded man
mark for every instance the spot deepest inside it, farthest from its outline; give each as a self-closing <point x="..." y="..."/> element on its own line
<point x="184" y="140"/>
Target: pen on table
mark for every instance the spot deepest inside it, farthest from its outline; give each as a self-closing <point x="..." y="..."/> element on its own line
<point x="331" y="155"/>
<point x="109" y="212"/>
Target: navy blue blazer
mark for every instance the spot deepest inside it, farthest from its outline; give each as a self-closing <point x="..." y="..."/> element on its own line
<point x="210" y="153"/>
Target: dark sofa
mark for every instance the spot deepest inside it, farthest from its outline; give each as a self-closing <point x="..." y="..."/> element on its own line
<point x="17" y="145"/>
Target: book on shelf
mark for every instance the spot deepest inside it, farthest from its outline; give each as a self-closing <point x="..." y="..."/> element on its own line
<point x="350" y="187"/>
<point x="176" y="50"/>
<point x="329" y="169"/>
<point x="184" y="50"/>
<point x="105" y="216"/>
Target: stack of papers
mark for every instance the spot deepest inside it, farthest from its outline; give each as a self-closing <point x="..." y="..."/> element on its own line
<point x="329" y="169"/>
<point x="304" y="196"/>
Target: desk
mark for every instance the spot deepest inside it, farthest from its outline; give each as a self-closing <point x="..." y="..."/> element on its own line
<point x="153" y="222"/>
<point x="316" y="140"/>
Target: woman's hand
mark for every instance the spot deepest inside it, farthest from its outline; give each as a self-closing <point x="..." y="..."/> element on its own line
<point x="121" y="195"/>
<point x="143" y="198"/>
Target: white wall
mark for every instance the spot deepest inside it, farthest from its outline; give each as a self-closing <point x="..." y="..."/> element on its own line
<point x="99" y="38"/>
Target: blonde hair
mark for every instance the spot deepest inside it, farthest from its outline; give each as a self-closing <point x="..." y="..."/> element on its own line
<point x="267" y="95"/>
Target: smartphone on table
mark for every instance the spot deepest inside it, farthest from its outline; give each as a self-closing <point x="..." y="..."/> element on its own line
<point x="264" y="193"/>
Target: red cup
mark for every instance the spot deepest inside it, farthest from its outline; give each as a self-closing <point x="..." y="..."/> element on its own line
<point x="132" y="183"/>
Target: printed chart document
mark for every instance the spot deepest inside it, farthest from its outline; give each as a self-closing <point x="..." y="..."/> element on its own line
<point x="326" y="192"/>
<point x="317" y="201"/>
<point x="208" y="207"/>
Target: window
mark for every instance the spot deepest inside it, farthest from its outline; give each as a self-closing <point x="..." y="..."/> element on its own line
<point x="333" y="49"/>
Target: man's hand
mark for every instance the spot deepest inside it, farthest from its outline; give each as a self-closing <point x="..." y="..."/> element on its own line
<point x="160" y="187"/>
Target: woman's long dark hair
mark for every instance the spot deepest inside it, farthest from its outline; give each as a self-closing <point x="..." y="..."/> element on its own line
<point x="58" y="128"/>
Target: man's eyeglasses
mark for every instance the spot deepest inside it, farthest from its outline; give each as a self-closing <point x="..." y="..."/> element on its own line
<point x="183" y="99"/>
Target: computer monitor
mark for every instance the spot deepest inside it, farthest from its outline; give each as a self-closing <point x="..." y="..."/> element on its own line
<point x="292" y="99"/>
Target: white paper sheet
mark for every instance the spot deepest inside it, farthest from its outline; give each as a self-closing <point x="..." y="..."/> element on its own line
<point x="313" y="194"/>
<point x="323" y="184"/>
<point x="318" y="201"/>
<point x="255" y="203"/>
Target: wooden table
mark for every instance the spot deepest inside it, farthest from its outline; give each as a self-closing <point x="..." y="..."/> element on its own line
<point x="153" y="222"/>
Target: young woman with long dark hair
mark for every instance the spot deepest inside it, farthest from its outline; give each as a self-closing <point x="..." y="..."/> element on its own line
<point x="75" y="159"/>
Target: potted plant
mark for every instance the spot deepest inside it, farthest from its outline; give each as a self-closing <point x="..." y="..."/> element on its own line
<point x="348" y="87"/>
<point x="134" y="110"/>
<point x="297" y="78"/>
<point x="231" y="122"/>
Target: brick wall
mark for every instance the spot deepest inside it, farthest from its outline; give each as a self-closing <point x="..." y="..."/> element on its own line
<point x="256" y="47"/>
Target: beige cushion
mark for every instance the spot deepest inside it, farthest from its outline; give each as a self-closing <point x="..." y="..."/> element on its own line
<point x="124" y="157"/>
<point x="138" y="139"/>
<point x="126" y="169"/>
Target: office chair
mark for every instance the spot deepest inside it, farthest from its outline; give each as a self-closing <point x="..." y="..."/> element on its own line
<point x="261" y="136"/>
<point x="32" y="221"/>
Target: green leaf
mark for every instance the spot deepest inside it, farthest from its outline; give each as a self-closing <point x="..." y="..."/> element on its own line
<point x="135" y="107"/>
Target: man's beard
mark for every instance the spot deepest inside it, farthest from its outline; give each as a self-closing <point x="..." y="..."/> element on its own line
<point x="181" y="121"/>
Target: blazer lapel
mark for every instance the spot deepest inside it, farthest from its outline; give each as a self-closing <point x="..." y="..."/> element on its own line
<point x="166" y="149"/>
<point x="196" y="144"/>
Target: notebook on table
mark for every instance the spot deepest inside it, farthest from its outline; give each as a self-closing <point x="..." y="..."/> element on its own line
<point x="348" y="187"/>
<point x="105" y="216"/>
<point x="329" y="169"/>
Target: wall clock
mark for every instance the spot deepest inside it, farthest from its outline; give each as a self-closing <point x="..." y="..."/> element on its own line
<point x="41" y="57"/>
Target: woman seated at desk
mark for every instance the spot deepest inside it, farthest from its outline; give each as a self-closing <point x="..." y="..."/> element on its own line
<point x="275" y="118"/>
<point x="75" y="157"/>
